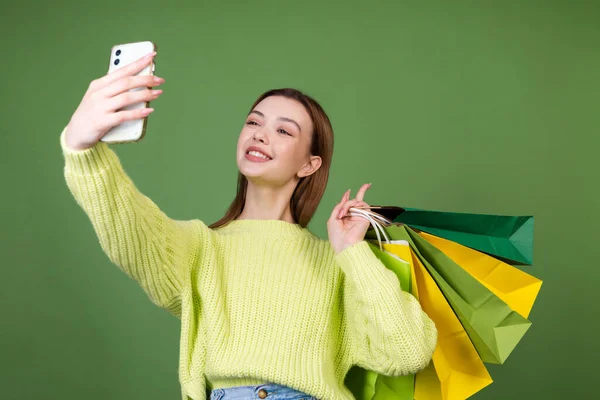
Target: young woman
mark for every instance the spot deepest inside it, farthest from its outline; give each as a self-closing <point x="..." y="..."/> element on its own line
<point x="267" y="309"/>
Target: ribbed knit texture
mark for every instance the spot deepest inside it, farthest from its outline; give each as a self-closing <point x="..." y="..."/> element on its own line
<point x="259" y="300"/>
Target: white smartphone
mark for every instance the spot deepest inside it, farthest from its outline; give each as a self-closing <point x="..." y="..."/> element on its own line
<point x="120" y="56"/>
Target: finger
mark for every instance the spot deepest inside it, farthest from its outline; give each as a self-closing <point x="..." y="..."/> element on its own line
<point x="130" y="69"/>
<point x="344" y="202"/>
<point x="346" y="207"/>
<point x="345" y="196"/>
<point x="344" y="199"/>
<point x="361" y="192"/>
<point x="335" y="212"/>
<point x="117" y="118"/>
<point x="355" y="203"/>
<point x="127" y="98"/>
<point x="338" y="206"/>
<point x="358" y="204"/>
<point x="130" y="82"/>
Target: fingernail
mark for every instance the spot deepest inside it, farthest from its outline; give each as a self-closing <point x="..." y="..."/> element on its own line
<point x="149" y="55"/>
<point x="159" y="80"/>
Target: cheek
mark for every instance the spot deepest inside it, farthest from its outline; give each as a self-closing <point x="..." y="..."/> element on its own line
<point x="293" y="156"/>
<point x="242" y="140"/>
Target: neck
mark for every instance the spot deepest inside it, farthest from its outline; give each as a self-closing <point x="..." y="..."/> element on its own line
<point x="265" y="202"/>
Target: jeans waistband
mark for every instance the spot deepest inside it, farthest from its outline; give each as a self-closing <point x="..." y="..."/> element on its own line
<point x="269" y="391"/>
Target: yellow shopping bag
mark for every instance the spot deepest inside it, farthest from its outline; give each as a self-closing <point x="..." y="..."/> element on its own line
<point x="513" y="286"/>
<point x="456" y="371"/>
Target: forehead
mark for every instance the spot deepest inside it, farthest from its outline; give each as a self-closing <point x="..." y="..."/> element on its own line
<point x="279" y="106"/>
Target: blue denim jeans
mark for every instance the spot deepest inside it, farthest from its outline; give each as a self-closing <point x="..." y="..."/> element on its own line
<point x="269" y="391"/>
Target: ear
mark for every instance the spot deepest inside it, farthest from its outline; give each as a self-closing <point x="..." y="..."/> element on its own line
<point x="310" y="167"/>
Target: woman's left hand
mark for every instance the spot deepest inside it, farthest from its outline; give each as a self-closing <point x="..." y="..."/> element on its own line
<point x="345" y="230"/>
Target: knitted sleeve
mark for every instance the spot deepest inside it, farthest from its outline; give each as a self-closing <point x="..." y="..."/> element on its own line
<point x="389" y="331"/>
<point x="133" y="232"/>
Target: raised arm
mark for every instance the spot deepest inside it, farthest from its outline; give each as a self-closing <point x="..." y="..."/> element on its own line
<point x="134" y="233"/>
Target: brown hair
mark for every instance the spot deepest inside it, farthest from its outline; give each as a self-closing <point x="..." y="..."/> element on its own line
<point x="310" y="189"/>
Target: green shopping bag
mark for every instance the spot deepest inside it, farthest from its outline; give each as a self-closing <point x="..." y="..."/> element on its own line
<point x="507" y="237"/>
<point x="492" y="326"/>
<point x="369" y="385"/>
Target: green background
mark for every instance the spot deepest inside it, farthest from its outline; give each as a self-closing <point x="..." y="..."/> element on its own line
<point x="486" y="107"/>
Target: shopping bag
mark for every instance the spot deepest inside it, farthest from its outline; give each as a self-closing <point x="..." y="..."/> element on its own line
<point x="504" y="332"/>
<point x="513" y="286"/>
<point x="458" y="369"/>
<point x="507" y="237"/>
<point x="492" y="326"/>
<point x="428" y="385"/>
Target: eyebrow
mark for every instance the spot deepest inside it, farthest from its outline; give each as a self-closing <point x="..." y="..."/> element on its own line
<point x="279" y="118"/>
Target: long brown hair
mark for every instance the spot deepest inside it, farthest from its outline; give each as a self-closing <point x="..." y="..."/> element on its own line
<point x="310" y="189"/>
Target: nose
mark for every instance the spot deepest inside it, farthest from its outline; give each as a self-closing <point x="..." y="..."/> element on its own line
<point x="260" y="134"/>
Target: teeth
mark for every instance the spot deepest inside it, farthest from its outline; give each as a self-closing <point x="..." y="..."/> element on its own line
<point x="258" y="154"/>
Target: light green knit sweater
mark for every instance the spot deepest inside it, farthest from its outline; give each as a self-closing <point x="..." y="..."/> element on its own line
<point x="259" y="300"/>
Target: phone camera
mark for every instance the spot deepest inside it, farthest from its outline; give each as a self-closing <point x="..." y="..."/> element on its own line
<point x="118" y="52"/>
<point x="117" y="61"/>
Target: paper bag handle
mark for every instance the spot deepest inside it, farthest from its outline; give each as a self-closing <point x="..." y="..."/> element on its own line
<point x="372" y="217"/>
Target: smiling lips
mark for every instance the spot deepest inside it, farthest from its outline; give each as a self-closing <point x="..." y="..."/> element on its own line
<point x="257" y="155"/>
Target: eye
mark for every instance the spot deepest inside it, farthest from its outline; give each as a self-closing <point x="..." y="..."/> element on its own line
<point x="251" y="123"/>
<point x="284" y="131"/>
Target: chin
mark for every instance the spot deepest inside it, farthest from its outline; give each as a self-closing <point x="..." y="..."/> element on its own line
<point x="259" y="177"/>
<point x="250" y="172"/>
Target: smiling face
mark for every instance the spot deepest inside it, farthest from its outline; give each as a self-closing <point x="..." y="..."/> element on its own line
<point x="281" y="129"/>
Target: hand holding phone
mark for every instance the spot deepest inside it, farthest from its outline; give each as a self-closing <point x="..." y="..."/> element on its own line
<point x="112" y="104"/>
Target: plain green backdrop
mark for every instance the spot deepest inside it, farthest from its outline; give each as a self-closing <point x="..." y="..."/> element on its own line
<point x="468" y="106"/>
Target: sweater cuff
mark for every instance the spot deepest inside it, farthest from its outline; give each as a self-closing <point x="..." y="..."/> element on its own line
<point x="365" y="269"/>
<point x="88" y="161"/>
